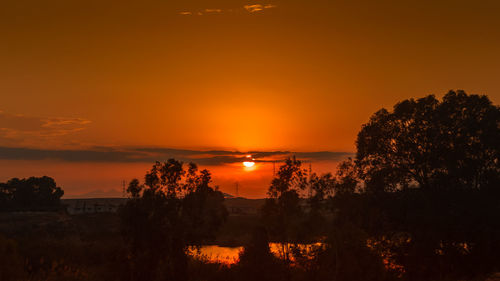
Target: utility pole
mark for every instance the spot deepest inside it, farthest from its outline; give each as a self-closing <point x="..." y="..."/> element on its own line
<point x="123" y="189"/>
<point x="310" y="177"/>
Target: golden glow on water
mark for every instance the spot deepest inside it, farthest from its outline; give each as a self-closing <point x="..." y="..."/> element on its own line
<point x="217" y="254"/>
<point x="230" y="255"/>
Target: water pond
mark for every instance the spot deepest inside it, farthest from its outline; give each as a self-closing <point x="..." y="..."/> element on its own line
<point x="229" y="255"/>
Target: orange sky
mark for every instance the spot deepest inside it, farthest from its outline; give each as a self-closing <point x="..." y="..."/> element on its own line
<point x="230" y="75"/>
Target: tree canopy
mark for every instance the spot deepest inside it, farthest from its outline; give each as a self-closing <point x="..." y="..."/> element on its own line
<point x="174" y="208"/>
<point x="30" y="194"/>
<point x="428" y="176"/>
<point x="432" y="144"/>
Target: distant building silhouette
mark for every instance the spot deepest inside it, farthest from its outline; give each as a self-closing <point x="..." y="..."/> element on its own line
<point x="93" y="205"/>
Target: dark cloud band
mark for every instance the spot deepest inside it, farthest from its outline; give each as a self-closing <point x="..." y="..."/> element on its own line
<point x="151" y="154"/>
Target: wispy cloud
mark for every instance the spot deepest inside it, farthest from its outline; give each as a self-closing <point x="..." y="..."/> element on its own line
<point x="250" y="8"/>
<point x="213" y="10"/>
<point x="258" y="7"/>
<point x="151" y="154"/>
<point x="17" y="128"/>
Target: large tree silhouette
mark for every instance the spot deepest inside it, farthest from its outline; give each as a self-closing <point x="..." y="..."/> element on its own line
<point x="429" y="176"/>
<point x="432" y="144"/>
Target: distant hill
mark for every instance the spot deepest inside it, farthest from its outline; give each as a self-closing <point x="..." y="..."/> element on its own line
<point x="227" y="195"/>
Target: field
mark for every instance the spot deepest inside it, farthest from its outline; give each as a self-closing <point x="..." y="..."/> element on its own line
<point x="90" y="227"/>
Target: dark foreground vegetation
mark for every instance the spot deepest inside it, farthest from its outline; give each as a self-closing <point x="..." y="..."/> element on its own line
<point x="420" y="201"/>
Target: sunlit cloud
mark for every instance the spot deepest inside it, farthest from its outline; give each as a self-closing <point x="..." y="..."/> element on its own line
<point x="269" y="6"/>
<point x="258" y="7"/>
<point x="213" y="10"/>
<point x="254" y="8"/>
<point x="251" y="8"/>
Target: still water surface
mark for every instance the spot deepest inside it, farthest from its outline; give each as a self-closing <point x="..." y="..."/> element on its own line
<point x="229" y="255"/>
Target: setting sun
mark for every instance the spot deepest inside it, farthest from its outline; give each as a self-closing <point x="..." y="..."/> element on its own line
<point x="248" y="164"/>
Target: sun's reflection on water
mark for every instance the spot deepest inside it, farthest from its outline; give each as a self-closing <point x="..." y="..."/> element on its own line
<point x="230" y="255"/>
<point x="216" y="254"/>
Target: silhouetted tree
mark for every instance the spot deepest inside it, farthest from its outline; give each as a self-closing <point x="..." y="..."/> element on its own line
<point x="135" y="188"/>
<point x="431" y="143"/>
<point x="344" y="256"/>
<point x="256" y="262"/>
<point x="429" y="171"/>
<point x="31" y="194"/>
<point x="296" y="211"/>
<point x="173" y="209"/>
<point x="346" y="180"/>
<point x="317" y="210"/>
<point x="282" y="213"/>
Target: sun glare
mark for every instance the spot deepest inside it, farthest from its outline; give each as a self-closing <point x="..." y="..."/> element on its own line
<point x="248" y="164"/>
